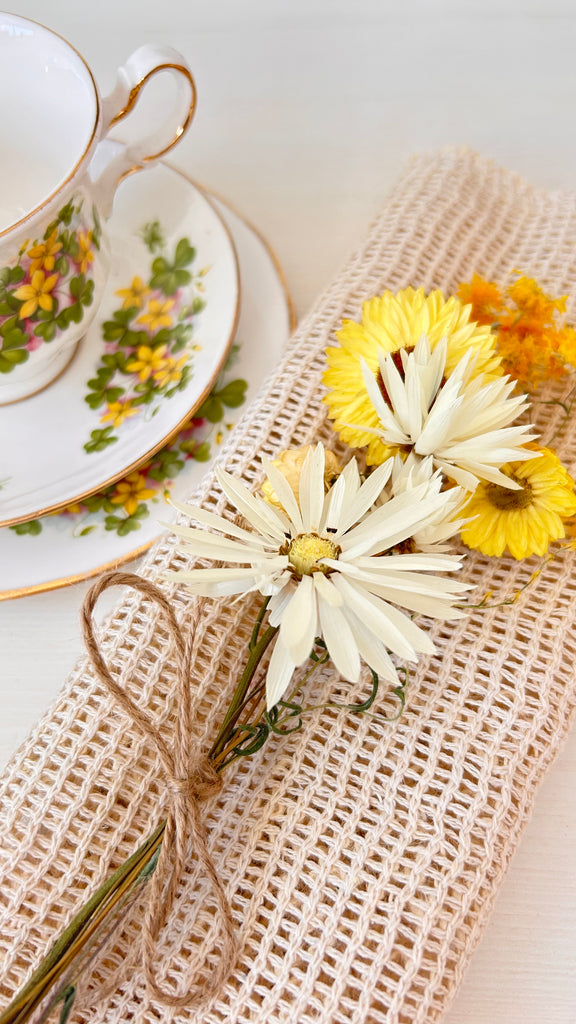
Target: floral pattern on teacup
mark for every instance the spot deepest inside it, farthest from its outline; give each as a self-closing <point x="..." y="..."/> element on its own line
<point x="149" y="342"/>
<point x="49" y="284"/>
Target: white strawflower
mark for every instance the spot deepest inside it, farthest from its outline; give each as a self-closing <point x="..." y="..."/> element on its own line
<point x="409" y="473"/>
<point x="320" y="559"/>
<point x="462" y="422"/>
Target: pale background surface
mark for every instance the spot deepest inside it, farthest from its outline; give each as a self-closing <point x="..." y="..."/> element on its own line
<point x="307" y="110"/>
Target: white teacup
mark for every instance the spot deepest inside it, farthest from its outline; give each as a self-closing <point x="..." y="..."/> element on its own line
<point x="53" y="249"/>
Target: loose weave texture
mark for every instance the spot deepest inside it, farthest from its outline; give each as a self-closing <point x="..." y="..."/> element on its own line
<point x="361" y="859"/>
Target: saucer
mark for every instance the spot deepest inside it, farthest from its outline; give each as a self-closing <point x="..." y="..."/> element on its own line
<point x="120" y="524"/>
<point x="149" y="359"/>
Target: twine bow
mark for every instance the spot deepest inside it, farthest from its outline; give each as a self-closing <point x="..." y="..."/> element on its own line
<point x="189" y="779"/>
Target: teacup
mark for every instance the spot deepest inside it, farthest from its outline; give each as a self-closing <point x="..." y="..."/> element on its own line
<point x="54" y="257"/>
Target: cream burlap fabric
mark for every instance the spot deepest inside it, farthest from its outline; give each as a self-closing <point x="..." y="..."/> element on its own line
<point x="361" y="860"/>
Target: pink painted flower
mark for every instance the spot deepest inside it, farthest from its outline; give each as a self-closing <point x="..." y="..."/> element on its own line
<point x="34" y="343"/>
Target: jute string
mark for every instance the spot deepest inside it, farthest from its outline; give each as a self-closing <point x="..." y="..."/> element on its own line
<point x="190" y="779"/>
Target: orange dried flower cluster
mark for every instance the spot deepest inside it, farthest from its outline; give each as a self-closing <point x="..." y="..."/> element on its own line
<point x="534" y="343"/>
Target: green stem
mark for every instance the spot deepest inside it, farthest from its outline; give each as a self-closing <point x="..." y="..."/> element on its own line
<point x="229" y="723"/>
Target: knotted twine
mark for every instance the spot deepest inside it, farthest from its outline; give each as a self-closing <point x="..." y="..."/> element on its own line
<point x="190" y="779"/>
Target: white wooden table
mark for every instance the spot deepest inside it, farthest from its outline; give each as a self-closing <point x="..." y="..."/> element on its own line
<point x="307" y="109"/>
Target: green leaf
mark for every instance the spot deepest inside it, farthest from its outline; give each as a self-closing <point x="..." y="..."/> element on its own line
<point x="233" y="394"/>
<point x="122" y="525"/>
<point x="169" y="281"/>
<point x="198" y="304"/>
<point x="202" y="452"/>
<point x="62" y="265"/>
<point x="33" y="528"/>
<point x="151" y="235"/>
<point x="185" y="253"/>
<point x="166" y="464"/>
<point x="14" y="339"/>
<point x="11" y="358"/>
<point x="16" y="275"/>
<point x="160" y="265"/>
<point x="64" y="216"/>
<point x="99" y="439"/>
<point x="212" y="409"/>
<point x="86" y="531"/>
<point x="76" y="285"/>
<point x="46" y="330"/>
<point x="8" y="325"/>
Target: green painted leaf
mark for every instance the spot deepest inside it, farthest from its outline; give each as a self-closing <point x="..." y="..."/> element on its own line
<point x="185" y="253"/>
<point x="11" y="358"/>
<point x="151" y="235"/>
<point x="32" y="528"/>
<point x="212" y="409"/>
<point x="14" y="339"/>
<point x="62" y="265"/>
<point x="100" y="439"/>
<point x="233" y="394"/>
<point x="202" y="453"/>
<point x="46" y="330"/>
<point x="198" y="304"/>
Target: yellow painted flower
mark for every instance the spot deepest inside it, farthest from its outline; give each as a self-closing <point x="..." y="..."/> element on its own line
<point x="117" y="412"/>
<point x="485" y="298"/>
<point x="131" y="491"/>
<point x="158" y="314"/>
<point x="43" y="256"/>
<point x="171" y="371"/>
<point x="85" y="254"/>
<point x="524" y="521"/>
<point x="135" y="296"/>
<point x="36" y="294"/>
<point x="290" y="464"/>
<point x="148" y="361"/>
<point x="391" y="323"/>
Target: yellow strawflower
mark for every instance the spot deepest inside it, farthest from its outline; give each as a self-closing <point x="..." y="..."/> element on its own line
<point x="390" y="323"/>
<point x="290" y="463"/>
<point x="522" y="522"/>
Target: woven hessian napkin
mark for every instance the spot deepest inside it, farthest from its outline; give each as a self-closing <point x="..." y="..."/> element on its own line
<point x="361" y="859"/>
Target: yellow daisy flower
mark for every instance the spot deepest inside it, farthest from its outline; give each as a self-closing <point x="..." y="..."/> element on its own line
<point x="525" y="521"/>
<point x="85" y="255"/>
<point x="135" y="296"/>
<point x="170" y="372"/>
<point x="148" y="361"/>
<point x="43" y="256"/>
<point x="131" y="491"/>
<point x="157" y="315"/>
<point x="117" y="412"/>
<point x="390" y="323"/>
<point x="290" y="464"/>
<point x="36" y="294"/>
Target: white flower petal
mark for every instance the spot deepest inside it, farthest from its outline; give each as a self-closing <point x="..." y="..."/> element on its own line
<point x="269" y="521"/>
<point x="374" y="613"/>
<point x="372" y="649"/>
<point x="280" y="671"/>
<point x="215" y="522"/>
<point x="339" y="640"/>
<point x="299" y="621"/>
<point x="312" y="489"/>
<point x="284" y="493"/>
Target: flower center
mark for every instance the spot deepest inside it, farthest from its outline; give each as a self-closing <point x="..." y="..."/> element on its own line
<point x="397" y="360"/>
<point x="305" y="550"/>
<point x="506" y="500"/>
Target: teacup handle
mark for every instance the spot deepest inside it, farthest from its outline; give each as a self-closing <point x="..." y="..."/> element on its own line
<point x="132" y="77"/>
